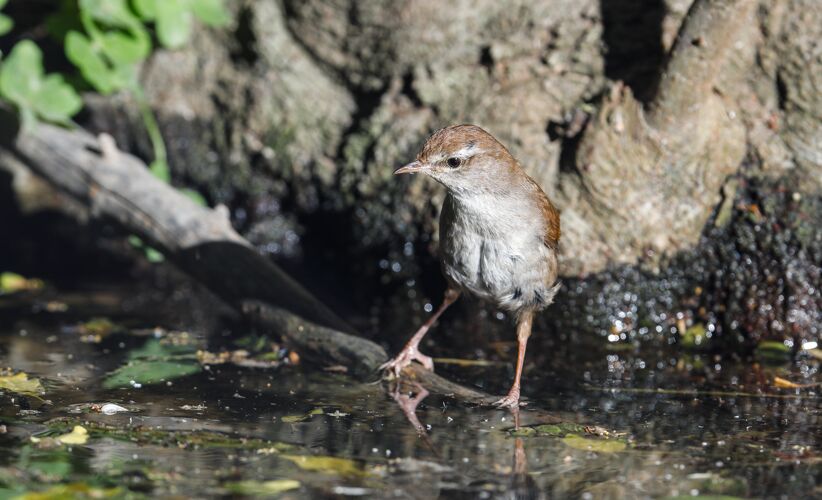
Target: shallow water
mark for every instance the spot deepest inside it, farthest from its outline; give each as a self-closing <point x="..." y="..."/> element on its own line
<point x="635" y="423"/>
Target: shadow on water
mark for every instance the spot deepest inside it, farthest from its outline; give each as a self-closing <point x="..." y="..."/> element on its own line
<point x="602" y="421"/>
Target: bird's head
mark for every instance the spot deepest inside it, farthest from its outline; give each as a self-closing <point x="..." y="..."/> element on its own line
<point x="465" y="159"/>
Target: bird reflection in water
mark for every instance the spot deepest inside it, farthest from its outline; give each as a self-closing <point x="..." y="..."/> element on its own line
<point x="521" y="485"/>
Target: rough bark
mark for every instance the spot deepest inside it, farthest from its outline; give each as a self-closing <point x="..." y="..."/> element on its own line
<point x="645" y="183"/>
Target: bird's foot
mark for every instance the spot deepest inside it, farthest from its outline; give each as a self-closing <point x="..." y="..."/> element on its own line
<point x="510" y="401"/>
<point x="405" y="358"/>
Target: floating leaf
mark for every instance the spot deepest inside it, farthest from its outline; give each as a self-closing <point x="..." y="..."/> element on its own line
<point x="695" y="337"/>
<point x="154" y="362"/>
<point x="149" y="372"/>
<point x="78" y="435"/>
<point x="599" y="445"/>
<point x="98" y="327"/>
<point x="561" y="429"/>
<point x="331" y="465"/>
<point x="12" y="282"/>
<point x="773" y="351"/>
<point x="22" y="81"/>
<point x="20" y="383"/>
<point x="262" y="488"/>
<point x="290" y="419"/>
<point x="73" y="490"/>
<point x="523" y="432"/>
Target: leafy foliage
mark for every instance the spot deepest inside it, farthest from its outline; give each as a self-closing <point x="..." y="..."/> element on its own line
<point x="6" y="24"/>
<point x="106" y="40"/>
<point x="174" y="18"/>
<point x="36" y="95"/>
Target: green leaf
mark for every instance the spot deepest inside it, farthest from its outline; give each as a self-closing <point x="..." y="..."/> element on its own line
<point x="154" y="256"/>
<point x="146" y="9"/>
<point x="149" y="372"/>
<point x="3" y="3"/>
<point x="160" y="170"/>
<point x="56" y="101"/>
<point x="328" y="465"/>
<point x="173" y="23"/>
<point x="122" y="49"/>
<point x="6" y="24"/>
<point x="156" y="350"/>
<point x="21" y="73"/>
<point x="112" y="13"/>
<point x="210" y="12"/>
<point x="92" y="66"/>
<point x="599" y="445"/>
<point x="773" y="351"/>
<point x="152" y="363"/>
<point x="22" y="82"/>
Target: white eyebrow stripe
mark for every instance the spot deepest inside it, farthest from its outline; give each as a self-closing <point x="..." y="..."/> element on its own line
<point x="467" y="151"/>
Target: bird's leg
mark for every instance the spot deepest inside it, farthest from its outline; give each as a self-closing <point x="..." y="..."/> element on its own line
<point x="411" y="351"/>
<point x="523" y="332"/>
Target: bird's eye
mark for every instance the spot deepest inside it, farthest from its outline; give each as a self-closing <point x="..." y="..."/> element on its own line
<point x="454" y="162"/>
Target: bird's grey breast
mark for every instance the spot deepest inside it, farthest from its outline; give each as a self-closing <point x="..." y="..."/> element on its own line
<point x="488" y="251"/>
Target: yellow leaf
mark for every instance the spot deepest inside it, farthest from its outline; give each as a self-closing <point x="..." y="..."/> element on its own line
<point x="22" y="384"/>
<point x="72" y="490"/>
<point x="78" y="435"/>
<point x="332" y="465"/>
<point x="599" y="445"/>
<point x="262" y="488"/>
<point x="11" y="282"/>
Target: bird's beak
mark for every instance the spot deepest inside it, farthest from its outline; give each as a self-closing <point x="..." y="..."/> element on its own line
<point x="411" y="168"/>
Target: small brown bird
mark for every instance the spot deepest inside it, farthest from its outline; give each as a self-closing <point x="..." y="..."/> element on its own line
<point x="498" y="235"/>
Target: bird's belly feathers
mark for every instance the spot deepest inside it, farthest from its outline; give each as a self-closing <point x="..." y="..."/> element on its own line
<point x="516" y="273"/>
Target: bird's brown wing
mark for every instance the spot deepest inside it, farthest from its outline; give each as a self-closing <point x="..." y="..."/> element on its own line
<point x="549" y="214"/>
